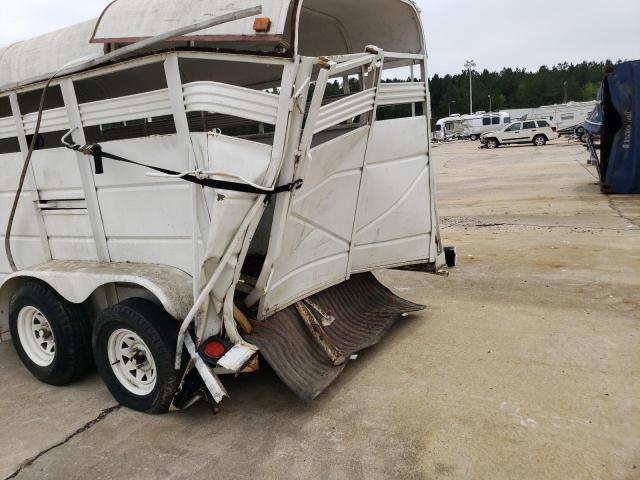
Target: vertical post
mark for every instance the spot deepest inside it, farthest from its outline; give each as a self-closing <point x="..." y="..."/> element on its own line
<point x="86" y="171"/>
<point x="176" y="96"/>
<point x="434" y="220"/>
<point x="470" y="65"/>
<point x="35" y="196"/>
<point x="346" y="88"/>
<point x="470" y="92"/>
<point x="88" y="183"/>
<point x="413" y="79"/>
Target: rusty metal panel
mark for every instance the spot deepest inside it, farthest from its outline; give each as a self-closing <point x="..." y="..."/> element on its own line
<point x="362" y="311"/>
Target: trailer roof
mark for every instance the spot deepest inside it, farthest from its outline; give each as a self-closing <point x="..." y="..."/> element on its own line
<point x="307" y="27"/>
<point x="46" y="54"/>
<point x="121" y="21"/>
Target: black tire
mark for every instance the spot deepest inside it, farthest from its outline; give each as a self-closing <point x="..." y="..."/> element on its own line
<point x="539" y="140"/>
<point x="474" y="138"/>
<point x="492" y="143"/>
<point x="159" y="331"/>
<point x="67" y="322"/>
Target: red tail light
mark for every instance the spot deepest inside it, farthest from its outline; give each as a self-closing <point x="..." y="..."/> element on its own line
<point x="214" y="349"/>
<point x="554" y="129"/>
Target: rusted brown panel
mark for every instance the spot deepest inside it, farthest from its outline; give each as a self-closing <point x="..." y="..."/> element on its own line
<point x="320" y="336"/>
<point x="363" y="309"/>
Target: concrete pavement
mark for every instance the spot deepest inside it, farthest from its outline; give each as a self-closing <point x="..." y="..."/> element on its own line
<point x="525" y="365"/>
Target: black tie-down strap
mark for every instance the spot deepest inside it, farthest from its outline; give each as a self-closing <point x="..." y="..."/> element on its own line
<point x="95" y="150"/>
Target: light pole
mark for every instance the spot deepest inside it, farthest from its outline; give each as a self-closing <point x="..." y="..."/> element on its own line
<point x="490" y="108"/>
<point x="452" y="101"/>
<point x="566" y="99"/>
<point x="470" y="65"/>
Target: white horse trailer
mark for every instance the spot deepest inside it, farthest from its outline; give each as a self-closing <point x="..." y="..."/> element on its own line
<point x="474" y="126"/>
<point x="177" y="198"/>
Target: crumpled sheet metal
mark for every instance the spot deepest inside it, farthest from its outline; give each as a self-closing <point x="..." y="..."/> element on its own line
<point x="364" y="310"/>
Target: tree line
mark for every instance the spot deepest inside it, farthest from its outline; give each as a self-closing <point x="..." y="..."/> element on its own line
<point x="515" y="88"/>
<point x="509" y="88"/>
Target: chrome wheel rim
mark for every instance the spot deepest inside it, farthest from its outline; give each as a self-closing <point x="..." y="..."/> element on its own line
<point x="36" y="336"/>
<point x="539" y="141"/>
<point x="132" y="362"/>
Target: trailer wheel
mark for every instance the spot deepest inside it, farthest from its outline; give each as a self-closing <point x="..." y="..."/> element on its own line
<point x="539" y="140"/>
<point x="134" y="345"/>
<point x="51" y="335"/>
<point x="492" y="143"/>
<point x="474" y="137"/>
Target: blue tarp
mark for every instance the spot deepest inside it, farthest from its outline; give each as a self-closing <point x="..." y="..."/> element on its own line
<point x="593" y="124"/>
<point x="617" y="115"/>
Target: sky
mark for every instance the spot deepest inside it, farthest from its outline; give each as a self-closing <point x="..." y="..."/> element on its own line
<point x="495" y="33"/>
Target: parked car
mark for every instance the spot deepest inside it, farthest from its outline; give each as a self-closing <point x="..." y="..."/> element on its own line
<point x="538" y="132"/>
<point x="476" y="125"/>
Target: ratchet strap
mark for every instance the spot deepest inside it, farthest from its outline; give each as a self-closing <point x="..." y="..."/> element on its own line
<point x="95" y="150"/>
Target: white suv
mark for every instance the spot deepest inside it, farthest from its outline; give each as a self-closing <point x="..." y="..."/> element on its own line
<point x="537" y="132"/>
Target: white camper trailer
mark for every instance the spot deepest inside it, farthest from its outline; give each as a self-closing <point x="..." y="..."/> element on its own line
<point x="188" y="200"/>
<point x="449" y="128"/>
<point x="566" y="116"/>
<point x="475" y="125"/>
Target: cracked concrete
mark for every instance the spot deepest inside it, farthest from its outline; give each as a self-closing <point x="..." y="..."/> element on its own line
<point x="524" y="365"/>
<point x="101" y="416"/>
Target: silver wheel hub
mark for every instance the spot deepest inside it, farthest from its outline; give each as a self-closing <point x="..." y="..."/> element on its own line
<point x="132" y="362"/>
<point x="36" y="336"/>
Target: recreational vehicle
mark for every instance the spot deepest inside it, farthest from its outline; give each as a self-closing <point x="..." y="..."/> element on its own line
<point x="179" y="195"/>
<point x="449" y="128"/>
<point x="474" y="126"/>
<point x="566" y="116"/>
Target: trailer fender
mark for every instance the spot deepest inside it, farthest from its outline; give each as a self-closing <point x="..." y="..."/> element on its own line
<point x="77" y="280"/>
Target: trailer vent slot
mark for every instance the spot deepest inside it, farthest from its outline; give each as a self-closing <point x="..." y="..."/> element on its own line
<point x="76" y="205"/>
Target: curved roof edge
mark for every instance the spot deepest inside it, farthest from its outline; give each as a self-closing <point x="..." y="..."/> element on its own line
<point x="307" y="27"/>
<point x="121" y="22"/>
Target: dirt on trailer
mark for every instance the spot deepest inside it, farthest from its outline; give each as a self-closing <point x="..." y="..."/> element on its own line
<point x="524" y="364"/>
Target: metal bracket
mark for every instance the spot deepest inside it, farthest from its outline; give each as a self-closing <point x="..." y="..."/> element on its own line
<point x="320" y="336"/>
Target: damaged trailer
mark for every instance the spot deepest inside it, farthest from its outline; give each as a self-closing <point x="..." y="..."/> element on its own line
<point x="180" y="194"/>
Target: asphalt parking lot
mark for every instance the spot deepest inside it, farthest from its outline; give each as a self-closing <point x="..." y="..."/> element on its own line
<point x="525" y="365"/>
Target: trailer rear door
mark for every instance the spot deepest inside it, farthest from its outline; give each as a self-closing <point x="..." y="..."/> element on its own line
<point x="366" y="200"/>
